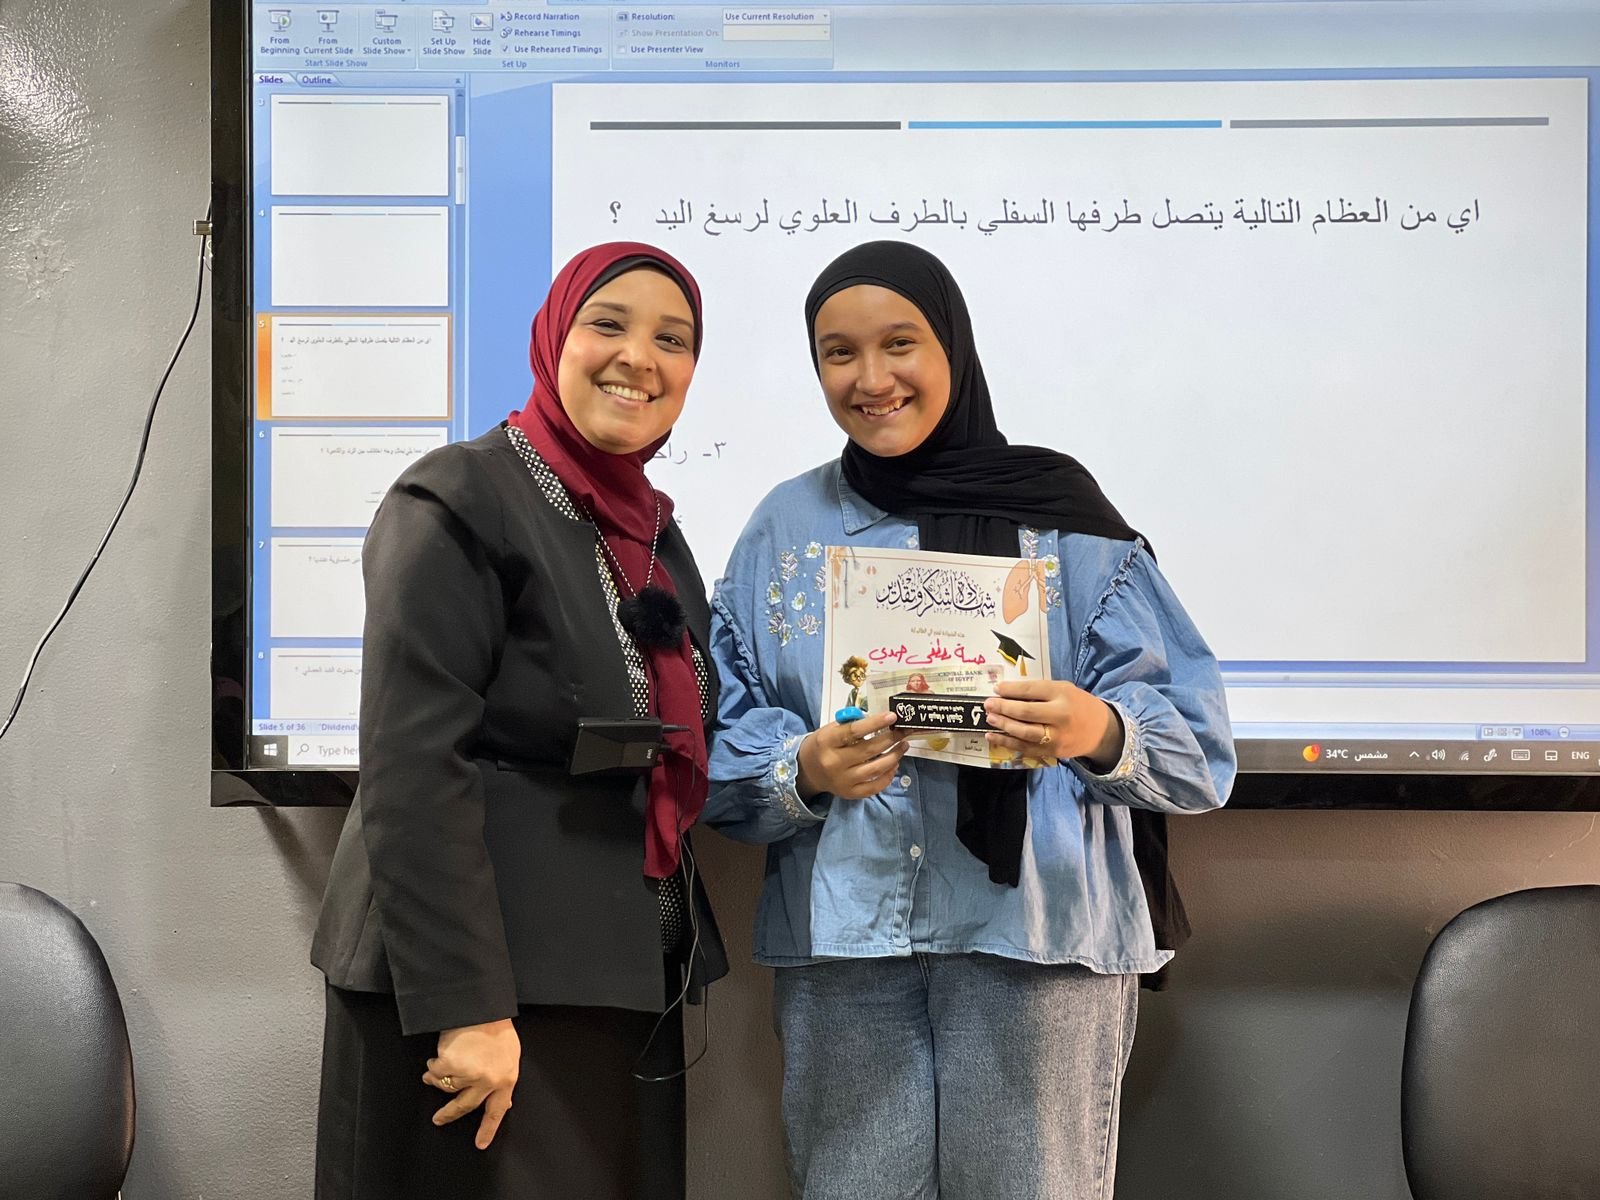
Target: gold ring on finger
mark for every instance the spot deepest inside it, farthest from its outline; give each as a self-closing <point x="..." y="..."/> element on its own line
<point x="1046" y="737"/>
<point x="447" y="1083"/>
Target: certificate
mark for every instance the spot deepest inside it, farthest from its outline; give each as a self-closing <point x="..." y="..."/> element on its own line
<point x="929" y="634"/>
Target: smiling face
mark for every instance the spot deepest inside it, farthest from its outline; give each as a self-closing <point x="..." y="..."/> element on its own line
<point x="884" y="373"/>
<point x="627" y="361"/>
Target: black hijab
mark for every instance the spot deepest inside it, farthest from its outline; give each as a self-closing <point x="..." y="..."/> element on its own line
<point x="969" y="490"/>
<point x="966" y="486"/>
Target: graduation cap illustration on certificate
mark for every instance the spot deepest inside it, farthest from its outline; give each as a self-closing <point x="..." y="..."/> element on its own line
<point x="1013" y="651"/>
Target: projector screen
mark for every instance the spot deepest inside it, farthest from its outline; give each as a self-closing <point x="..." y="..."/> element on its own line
<point x="1305" y="285"/>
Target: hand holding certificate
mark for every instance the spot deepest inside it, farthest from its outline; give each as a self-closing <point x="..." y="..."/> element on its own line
<point x="850" y="759"/>
<point x="1066" y="721"/>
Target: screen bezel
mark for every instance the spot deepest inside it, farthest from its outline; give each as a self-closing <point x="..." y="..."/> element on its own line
<point x="235" y="783"/>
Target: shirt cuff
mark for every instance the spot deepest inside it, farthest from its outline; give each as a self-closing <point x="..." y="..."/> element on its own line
<point x="1128" y="763"/>
<point x="783" y="784"/>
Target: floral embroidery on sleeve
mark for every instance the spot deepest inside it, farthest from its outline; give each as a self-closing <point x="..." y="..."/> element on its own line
<point x="776" y="624"/>
<point x="1050" y="562"/>
<point x="780" y="623"/>
<point x="1132" y="757"/>
<point x="785" y="777"/>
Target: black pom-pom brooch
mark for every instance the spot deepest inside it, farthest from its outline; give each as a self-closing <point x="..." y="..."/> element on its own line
<point x="653" y="618"/>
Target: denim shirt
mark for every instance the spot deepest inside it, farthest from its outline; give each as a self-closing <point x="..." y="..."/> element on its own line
<point x="887" y="875"/>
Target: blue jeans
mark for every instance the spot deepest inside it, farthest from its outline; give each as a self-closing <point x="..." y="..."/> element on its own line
<point x="959" y="1076"/>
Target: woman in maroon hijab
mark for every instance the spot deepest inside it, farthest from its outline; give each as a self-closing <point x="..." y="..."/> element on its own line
<point x="497" y="927"/>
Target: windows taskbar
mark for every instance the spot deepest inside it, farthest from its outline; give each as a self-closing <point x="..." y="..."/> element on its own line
<point x="1440" y="757"/>
<point x="1274" y="774"/>
<point x="1278" y="756"/>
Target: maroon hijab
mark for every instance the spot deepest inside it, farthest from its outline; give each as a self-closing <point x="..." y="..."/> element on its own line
<point x="613" y="490"/>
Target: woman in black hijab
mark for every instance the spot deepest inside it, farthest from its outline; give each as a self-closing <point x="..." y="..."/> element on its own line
<point x="959" y="947"/>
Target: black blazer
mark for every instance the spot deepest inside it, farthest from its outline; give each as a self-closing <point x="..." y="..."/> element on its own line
<point x="474" y="873"/>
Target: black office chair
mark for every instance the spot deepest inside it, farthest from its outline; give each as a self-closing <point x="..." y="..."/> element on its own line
<point x="1500" y="1089"/>
<point x="66" y="1069"/>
